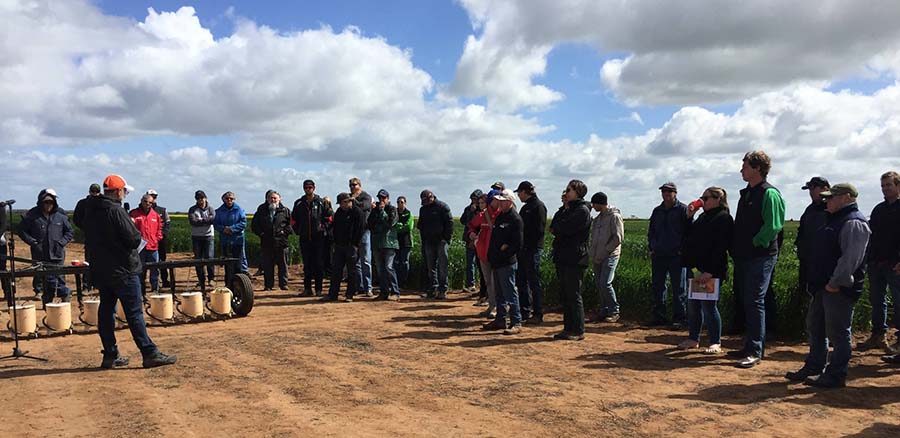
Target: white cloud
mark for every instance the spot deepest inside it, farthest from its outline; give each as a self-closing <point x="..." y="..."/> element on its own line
<point x="684" y="52"/>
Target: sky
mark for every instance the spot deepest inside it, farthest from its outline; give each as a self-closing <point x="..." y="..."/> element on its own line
<point x="446" y="95"/>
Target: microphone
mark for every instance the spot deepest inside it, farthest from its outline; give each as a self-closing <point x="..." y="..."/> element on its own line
<point x="10" y="202"/>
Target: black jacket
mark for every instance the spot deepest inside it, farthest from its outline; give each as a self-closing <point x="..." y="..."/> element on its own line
<point x="164" y="217"/>
<point x="534" y="218"/>
<point x="884" y="245"/>
<point x="114" y="240"/>
<point x="571" y="228"/>
<point x="348" y="226"/>
<point x="667" y="229"/>
<point x="748" y="221"/>
<point x="813" y="218"/>
<point x="364" y="202"/>
<point x="507" y="230"/>
<point x="4" y="223"/>
<point x="78" y="213"/>
<point x="707" y="243"/>
<point x="310" y="218"/>
<point x="273" y="230"/>
<point x="435" y="222"/>
<point x="468" y="213"/>
<point x="404" y="237"/>
<point x="47" y="236"/>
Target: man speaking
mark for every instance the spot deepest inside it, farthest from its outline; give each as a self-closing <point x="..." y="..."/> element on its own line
<point x="115" y="270"/>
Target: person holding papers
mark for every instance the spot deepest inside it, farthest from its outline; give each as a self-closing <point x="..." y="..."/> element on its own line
<point x="705" y="256"/>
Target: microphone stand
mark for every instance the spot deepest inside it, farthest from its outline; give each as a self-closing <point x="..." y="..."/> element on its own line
<point x="11" y="296"/>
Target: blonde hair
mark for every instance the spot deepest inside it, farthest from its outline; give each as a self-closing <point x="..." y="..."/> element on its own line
<point x="720" y="194"/>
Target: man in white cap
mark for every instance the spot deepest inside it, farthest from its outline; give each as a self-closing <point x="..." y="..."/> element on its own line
<point x="163" y="249"/>
<point x="115" y="270"/>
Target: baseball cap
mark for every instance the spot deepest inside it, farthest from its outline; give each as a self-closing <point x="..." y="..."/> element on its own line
<point x="506" y="195"/>
<point x="669" y="185"/>
<point x="599" y="198"/>
<point x="48" y="194"/>
<point x="115" y="182"/>
<point x="525" y="185"/>
<point x="841" y="189"/>
<point x="199" y="194"/>
<point x="816" y="181"/>
<point x="476" y="194"/>
<point x="343" y="197"/>
<point x="383" y="194"/>
<point x="498" y="185"/>
<point x="95" y="188"/>
<point x="151" y="192"/>
<point x="491" y="194"/>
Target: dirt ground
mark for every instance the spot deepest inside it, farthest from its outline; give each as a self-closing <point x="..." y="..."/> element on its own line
<point x="298" y="367"/>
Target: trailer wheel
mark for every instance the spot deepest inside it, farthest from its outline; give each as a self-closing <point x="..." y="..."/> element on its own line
<point x="242" y="295"/>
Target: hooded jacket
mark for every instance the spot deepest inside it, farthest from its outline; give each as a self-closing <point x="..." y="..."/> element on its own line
<point x="150" y="226"/>
<point x="571" y="228"/>
<point x="381" y="223"/>
<point x="233" y="217"/>
<point x="46" y="235"/>
<point x="114" y="240"/>
<point x="272" y="226"/>
<point x="310" y="218"/>
<point x="607" y="234"/>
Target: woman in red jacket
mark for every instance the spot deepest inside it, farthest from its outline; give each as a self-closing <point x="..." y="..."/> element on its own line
<point x="149" y="223"/>
<point x="480" y="232"/>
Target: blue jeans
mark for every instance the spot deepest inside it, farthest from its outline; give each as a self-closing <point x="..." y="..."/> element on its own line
<point x="660" y="266"/>
<point x="470" y="267"/>
<point x="234" y="249"/>
<point x="880" y="278"/>
<point x="56" y="287"/>
<point x="436" y="266"/>
<point x="505" y="284"/>
<point x="704" y="311"/>
<point x="401" y="265"/>
<point x="604" y="273"/>
<point x="829" y="319"/>
<point x="148" y="256"/>
<point x="751" y="276"/>
<point x="204" y="248"/>
<point x="387" y="275"/>
<point x="364" y="263"/>
<point x="528" y="281"/>
<point x="128" y="292"/>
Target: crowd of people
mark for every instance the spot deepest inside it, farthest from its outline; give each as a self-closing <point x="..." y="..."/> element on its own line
<point x="504" y="235"/>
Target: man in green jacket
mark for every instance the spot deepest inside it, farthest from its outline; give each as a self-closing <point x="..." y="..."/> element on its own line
<point x="382" y="223"/>
<point x="404" y="226"/>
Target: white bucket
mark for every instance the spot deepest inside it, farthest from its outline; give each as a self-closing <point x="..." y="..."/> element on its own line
<point x="192" y="304"/>
<point x="220" y="300"/>
<point x="91" y="311"/>
<point x="59" y="316"/>
<point x="161" y="306"/>
<point x="26" y="317"/>
<point x="120" y="312"/>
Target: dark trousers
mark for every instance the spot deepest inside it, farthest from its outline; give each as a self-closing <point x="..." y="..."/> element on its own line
<point x="5" y="282"/>
<point x="828" y="321"/>
<point x="528" y="281"/>
<point x="234" y="249"/>
<point x="163" y="252"/>
<point x="313" y="252"/>
<point x="344" y="257"/>
<point x="660" y="267"/>
<point x="401" y="265"/>
<point x="204" y="248"/>
<point x="148" y="256"/>
<point x="471" y="261"/>
<point x="128" y="292"/>
<point x="570" y="277"/>
<point x="270" y="257"/>
<point x="327" y="255"/>
<point x="436" y="264"/>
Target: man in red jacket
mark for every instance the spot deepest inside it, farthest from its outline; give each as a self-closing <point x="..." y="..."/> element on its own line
<point x="149" y="223"/>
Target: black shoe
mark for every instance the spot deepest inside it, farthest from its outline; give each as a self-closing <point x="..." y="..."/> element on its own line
<point x="825" y="381"/>
<point x="381" y="297"/>
<point x="561" y="336"/>
<point x="348" y="300"/>
<point x="268" y="288"/>
<point x="534" y="320"/>
<point x="748" y="362"/>
<point x="318" y="292"/>
<point x="657" y="322"/>
<point x="801" y="374"/>
<point x="283" y="287"/>
<point x="441" y="296"/>
<point x="678" y="325"/>
<point x="891" y="358"/>
<point x="737" y="354"/>
<point x="574" y="337"/>
<point x="328" y="298"/>
<point x="306" y="293"/>
<point x="494" y="325"/>
<point x="158" y="359"/>
<point x="111" y="361"/>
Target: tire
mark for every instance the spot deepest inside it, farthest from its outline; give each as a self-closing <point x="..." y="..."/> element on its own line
<point x="242" y="295"/>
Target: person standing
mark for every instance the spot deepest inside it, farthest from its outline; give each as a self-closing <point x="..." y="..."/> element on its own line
<point x="230" y="222"/>
<point x="203" y="236"/>
<point x="571" y="228"/>
<point x="364" y="260"/>
<point x="468" y="213"/>
<point x="480" y="232"/>
<point x="272" y="223"/>
<point x="668" y="226"/>
<point x="836" y="282"/>
<point x="46" y="229"/>
<point x="309" y="218"/>
<point x="163" y="250"/>
<point x="812" y="219"/>
<point x="607" y="234"/>
<point x="759" y="220"/>
<point x="706" y="251"/>
<point x="78" y="220"/>
<point x="436" y="229"/>
<point x="115" y="270"/>
<point x="4" y="251"/>
<point x="382" y="223"/>
<point x="404" y="226"/>
<point x="883" y="258"/>
<point x="503" y="250"/>
<point x="528" y="277"/>
<point x="149" y="224"/>
<point x="349" y="225"/>
<point x="328" y="220"/>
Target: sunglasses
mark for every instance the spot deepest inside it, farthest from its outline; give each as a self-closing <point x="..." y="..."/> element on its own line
<point x="229" y="199"/>
<point x="354" y="184"/>
<point x="705" y="198"/>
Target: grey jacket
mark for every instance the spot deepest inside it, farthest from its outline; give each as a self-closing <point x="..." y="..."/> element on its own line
<point x="607" y="233"/>
<point x="201" y="220"/>
<point x="853" y="240"/>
